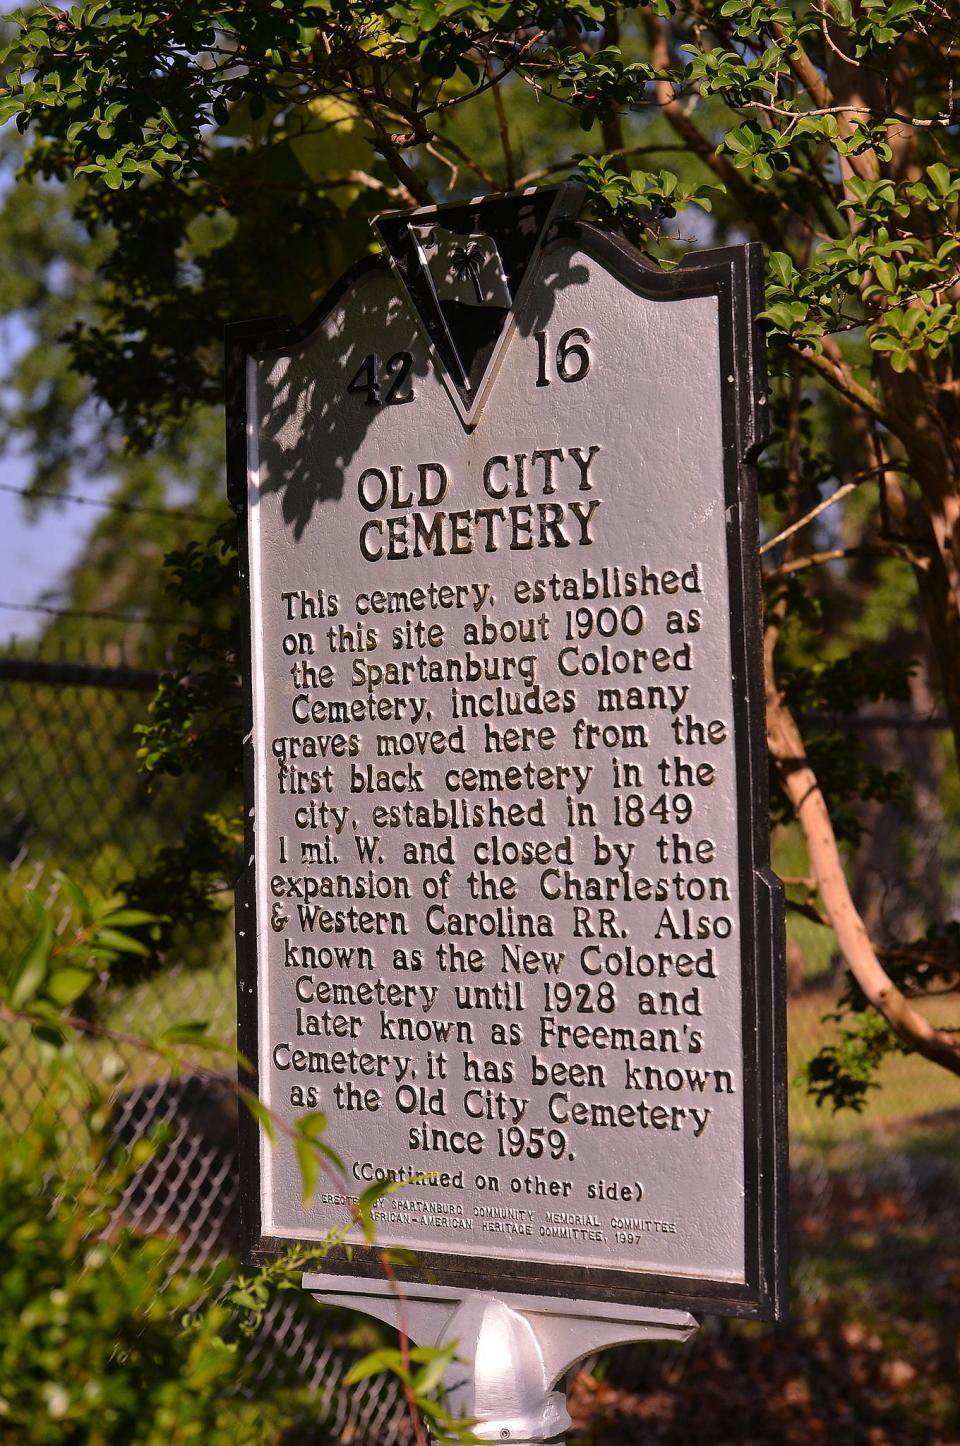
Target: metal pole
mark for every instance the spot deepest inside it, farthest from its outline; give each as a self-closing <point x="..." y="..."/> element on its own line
<point x="512" y="1350"/>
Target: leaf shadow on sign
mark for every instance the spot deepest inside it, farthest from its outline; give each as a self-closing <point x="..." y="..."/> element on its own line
<point x="319" y="395"/>
<point x="350" y="365"/>
<point x="555" y="272"/>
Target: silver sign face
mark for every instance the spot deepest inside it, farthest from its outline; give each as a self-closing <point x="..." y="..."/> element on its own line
<point x="510" y="923"/>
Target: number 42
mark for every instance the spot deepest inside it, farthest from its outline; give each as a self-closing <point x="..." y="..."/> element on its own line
<point x="373" y="374"/>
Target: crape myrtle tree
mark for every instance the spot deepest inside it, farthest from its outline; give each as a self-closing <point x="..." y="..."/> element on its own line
<point x="224" y="158"/>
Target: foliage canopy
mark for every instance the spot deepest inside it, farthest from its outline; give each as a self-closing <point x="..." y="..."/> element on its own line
<point x="222" y="160"/>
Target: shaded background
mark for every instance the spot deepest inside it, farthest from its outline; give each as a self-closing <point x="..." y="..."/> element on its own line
<point x="86" y="625"/>
<point x="871" y="1352"/>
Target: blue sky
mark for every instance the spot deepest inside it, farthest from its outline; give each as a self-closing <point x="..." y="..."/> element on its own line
<point x="35" y="555"/>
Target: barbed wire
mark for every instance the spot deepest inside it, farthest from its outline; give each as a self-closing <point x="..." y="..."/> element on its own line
<point x="178" y="513"/>
<point x="84" y="613"/>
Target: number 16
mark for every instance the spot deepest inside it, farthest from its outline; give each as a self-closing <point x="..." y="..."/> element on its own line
<point x="572" y="359"/>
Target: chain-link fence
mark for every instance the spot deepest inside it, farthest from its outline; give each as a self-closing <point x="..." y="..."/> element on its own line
<point x="73" y="800"/>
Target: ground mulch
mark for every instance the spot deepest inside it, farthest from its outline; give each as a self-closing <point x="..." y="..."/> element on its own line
<point x="870" y="1356"/>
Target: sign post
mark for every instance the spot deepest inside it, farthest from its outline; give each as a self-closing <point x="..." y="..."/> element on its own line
<point x="507" y="916"/>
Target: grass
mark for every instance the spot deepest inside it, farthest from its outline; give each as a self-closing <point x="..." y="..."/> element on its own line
<point x="909" y="1086"/>
<point x="200" y="988"/>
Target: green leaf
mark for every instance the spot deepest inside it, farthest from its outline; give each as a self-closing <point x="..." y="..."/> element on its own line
<point x="244" y="1299"/>
<point x="120" y="943"/>
<point x="911" y="320"/>
<point x="49" y="1034"/>
<point x="31" y="968"/>
<point x="400" y="1255"/>
<point x="388" y="1358"/>
<point x="309" y="1168"/>
<point x="329" y="1153"/>
<point x="262" y="1115"/>
<point x="132" y="918"/>
<point x="312" y="1126"/>
<point x="186" y="1033"/>
<point x="369" y="1197"/>
<point x="432" y="1374"/>
<point x="783" y="314"/>
<point x="76" y="896"/>
<point x="65" y="985"/>
<point x="741" y="140"/>
<point x="380" y="1188"/>
<point x="941" y="176"/>
<point x="886" y="275"/>
<point x="782" y="268"/>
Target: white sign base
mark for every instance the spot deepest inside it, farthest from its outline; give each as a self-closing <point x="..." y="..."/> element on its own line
<point x="512" y="1350"/>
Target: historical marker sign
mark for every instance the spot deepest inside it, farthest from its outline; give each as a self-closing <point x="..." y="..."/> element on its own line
<point x="508" y="915"/>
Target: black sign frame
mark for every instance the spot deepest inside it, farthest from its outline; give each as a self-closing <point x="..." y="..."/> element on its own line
<point x="734" y="275"/>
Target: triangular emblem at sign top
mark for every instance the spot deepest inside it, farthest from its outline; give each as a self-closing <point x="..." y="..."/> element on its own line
<point x="463" y="268"/>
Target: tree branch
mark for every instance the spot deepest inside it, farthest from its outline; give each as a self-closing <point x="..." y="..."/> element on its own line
<point x="834" y="554"/>
<point x="612" y="127"/>
<point x="815" y="512"/>
<point x="803" y="68"/>
<point x="761" y="216"/>
<point x="530" y="178"/>
<point x="830" y="364"/>
<point x="799" y="782"/>
<point x="408" y="178"/>
<point x="448" y="143"/>
<point x="509" y="169"/>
